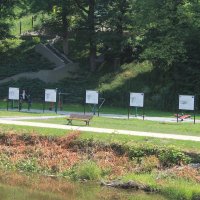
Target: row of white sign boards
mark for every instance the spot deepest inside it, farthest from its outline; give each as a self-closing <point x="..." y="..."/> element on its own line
<point x="92" y="97"/>
<point x="186" y="102"/>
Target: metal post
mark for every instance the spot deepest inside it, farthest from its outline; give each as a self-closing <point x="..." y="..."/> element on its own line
<point x="128" y="112"/>
<point x="43" y="106"/>
<point x="143" y="113"/>
<point x="98" y="111"/>
<point x="12" y="104"/>
<point x="19" y="104"/>
<point x="136" y="111"/>
<point x="7" y="104"/>
<point x="177" y="116"/>
<point x="194" y="109"/>
<point x="59" y="101"/>
<point x="56" y="104"/>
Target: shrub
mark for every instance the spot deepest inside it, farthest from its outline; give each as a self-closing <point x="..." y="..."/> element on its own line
<point x="168" y="156"/>
<point x="88" y="170"/>
<point x="36" y="39"/>
<point x="28" y="165"/>
<point x="149" y="163"/>
<point x="172" y="156"/>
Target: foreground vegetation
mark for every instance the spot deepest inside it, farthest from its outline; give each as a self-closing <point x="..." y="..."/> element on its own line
<point x="162" y="169"/>
<point x="188" y="146"/>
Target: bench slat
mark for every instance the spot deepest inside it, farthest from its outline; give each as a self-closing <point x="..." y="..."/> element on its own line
<point x="80" y="117"/>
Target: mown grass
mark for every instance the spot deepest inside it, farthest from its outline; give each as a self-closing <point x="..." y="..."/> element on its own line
<point x="103" y="110"/>
<point x="135" y="125"/>
<point x="16" y="113"/>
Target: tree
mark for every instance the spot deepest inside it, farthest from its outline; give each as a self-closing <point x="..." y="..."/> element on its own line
<point x="87" y="9"/>
<point x="61" y="12"/>
<point x="6" y="12"/>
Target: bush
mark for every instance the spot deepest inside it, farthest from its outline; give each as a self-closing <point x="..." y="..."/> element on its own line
<point x="172" y="156"/>
<point x="168" y="156"/>
<point x="88" y="170"/>
<point x="28" y="165"/>
<point x="148" y="164"/>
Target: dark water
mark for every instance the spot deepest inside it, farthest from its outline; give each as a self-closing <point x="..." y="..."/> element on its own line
<point x="18" y="187"/>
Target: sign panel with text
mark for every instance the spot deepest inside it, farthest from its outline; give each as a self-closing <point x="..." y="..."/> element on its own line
<point x="92" y="97"/>
<point x="13" y="93"/>
<point x="186" y="102"/>
<point x="137" y="99"/>
<point x="50" y="95"/>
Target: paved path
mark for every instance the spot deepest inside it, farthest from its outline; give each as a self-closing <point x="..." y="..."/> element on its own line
<point x="117" y="116"/>
<point x="100" y="130"/>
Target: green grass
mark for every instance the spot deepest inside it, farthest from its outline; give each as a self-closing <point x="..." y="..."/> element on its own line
<point x="172" y="188"/>
<point x="26" y="23"/>
<point x="22" y="114"/>
<point x="104" y="110"/>
<point x="136" y="125"/>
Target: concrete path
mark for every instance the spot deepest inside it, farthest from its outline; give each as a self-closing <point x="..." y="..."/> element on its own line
<point x="100" y="130"/>
<point x="116" y="116"/>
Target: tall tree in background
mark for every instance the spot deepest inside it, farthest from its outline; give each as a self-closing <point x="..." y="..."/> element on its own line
<point x="169" y="33"/>
<point x="61" y="12"/>
<point x="6" y="13"/>
<point x="87" y="9"/>
<point x="118" y="19"/>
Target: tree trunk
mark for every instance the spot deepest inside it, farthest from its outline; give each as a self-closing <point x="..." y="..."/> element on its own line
<point x="66" y="44"/>
<point x="65" y="33"/>
<point x="92" y="40"/>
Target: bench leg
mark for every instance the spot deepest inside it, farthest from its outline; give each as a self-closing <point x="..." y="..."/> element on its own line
<point x="69" y="122"/>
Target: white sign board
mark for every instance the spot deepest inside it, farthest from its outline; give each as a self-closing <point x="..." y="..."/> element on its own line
<point x="137" y="99"/>
<point x="92" y="97"/>
<point x="13" y="93"/>
<point x="50" y="95"/>
<point x="186" y="102"/>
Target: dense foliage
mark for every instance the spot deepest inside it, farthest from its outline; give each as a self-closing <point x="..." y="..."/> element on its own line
<point x="103" y="34"/>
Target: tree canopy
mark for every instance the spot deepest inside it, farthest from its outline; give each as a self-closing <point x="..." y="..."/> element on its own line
<point x="164" y="32"/>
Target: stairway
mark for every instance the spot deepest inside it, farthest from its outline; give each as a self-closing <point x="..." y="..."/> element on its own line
<point x="64" y="66"/>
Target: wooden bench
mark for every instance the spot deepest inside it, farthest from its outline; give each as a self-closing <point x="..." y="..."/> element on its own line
<point x="85" y="118"/>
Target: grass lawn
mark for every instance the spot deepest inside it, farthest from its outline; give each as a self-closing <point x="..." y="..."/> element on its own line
<point x="135" y="125"/>
<point x="16" y="113"/>
<point x="104" y="109"/>
<point x="173" y="188"/>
